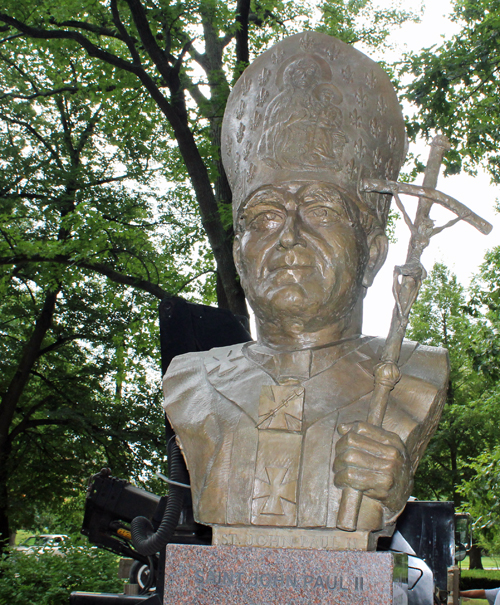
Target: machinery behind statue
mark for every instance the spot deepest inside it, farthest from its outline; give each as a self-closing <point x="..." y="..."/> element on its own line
<point x="112" y="504"/>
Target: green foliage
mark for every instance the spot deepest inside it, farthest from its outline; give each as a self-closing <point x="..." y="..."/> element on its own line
<point x="468" y="422"/>
<point x="482" y="494"/>
<point x="481" y="491"/>
<point x="48" y="579"/>
<point x="456" y="87"/>
<point x="355" y="21"/>
<point x="85" y="213"/>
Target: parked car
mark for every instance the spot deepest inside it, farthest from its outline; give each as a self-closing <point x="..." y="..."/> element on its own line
<point x="43" y="542"/>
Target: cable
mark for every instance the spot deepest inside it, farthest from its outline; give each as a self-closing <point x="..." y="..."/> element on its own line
<point x="144" y="538"/>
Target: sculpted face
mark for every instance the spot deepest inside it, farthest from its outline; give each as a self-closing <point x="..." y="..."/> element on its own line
<point x="300" y="253"/>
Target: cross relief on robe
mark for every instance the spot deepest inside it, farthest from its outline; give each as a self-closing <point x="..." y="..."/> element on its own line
<point x="276" y="489"/>
<point x="274" y="499"/>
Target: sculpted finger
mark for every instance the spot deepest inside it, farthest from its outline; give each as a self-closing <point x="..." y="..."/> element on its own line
<point x="379" y="434"/>
<point x="353" y="440"/>
<point x="373" y="484"/>
<point x="372" y="432"/>
<point x="354" y="457"/>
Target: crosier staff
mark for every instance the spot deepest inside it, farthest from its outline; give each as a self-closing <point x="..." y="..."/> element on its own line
<point x="406" y="285"/>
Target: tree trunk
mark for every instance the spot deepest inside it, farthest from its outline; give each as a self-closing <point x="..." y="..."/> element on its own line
<point x="475" y="557"/>
<point x="10" y="401"/>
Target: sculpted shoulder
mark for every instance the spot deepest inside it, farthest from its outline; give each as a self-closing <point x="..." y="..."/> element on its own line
<point x="430" y="364"/>
<point x="220" y="360"/>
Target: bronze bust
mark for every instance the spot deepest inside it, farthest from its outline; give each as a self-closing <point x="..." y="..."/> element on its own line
<point x="273" y="430"/>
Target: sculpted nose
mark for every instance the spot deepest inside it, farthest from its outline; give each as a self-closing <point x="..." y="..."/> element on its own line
<point x="291" y="233"/>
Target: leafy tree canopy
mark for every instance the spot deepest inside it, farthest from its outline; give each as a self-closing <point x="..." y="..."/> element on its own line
<point x="468" y="424"/>
<point x="456" y="87"/>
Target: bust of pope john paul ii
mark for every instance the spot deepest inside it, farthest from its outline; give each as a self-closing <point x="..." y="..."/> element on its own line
<point x="273" y="430"/>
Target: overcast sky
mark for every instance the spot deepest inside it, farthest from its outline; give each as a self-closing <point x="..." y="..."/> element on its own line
<point x="461" y="247"/>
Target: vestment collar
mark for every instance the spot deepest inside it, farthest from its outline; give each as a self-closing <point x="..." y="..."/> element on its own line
<point x="301" y="365"/>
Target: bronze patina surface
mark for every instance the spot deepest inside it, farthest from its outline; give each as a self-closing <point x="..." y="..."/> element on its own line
<point x="273" y="431"/>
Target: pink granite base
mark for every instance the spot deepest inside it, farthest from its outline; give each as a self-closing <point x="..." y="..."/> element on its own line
<point x="220" y="575"/>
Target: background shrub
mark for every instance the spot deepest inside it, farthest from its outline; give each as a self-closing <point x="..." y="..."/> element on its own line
<point x="46" y="578"/>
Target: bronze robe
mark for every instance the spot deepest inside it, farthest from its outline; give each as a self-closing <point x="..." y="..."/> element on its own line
<point x="251" y="464"/>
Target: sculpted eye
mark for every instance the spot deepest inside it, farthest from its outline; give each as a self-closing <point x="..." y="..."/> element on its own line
<point x="270" y="219"/>
<point x="322" y="215"/>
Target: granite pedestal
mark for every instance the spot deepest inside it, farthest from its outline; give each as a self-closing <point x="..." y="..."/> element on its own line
<point x="219" y="575"/>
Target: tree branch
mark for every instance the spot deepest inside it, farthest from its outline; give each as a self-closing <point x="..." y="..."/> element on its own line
<point x="101" y="268"/>
<point x="159" y="57"/>
<point x="129" y="41"/>
<point x="90" y="47"/>
<point x="60" y="342"/>
<point x="38" y="136"/>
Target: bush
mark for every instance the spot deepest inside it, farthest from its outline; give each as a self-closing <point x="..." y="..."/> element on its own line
<point x="473" y="579"/>
<point x="46" y="578"/>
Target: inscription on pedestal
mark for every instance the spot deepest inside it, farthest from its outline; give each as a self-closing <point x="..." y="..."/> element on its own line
<point x="203" y="575"/>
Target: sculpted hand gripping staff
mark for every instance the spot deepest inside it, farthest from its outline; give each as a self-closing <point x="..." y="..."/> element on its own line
<point x="274" y="431"/>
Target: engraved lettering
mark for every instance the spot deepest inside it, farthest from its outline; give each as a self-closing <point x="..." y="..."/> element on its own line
<point x="227" y="578"/>
<point x="214" y="578"/>
<point x="340" y="584"/>
<point x="358" y="583"/>
<point x="291" y="580"/>
<point x="329" y="584"/>
<point x="238" y="576"/>
<point x="274" y="541"/>
<point x="308" y="580"/>
<point x="265" y="580"/>
<point x="199" y="578"/>
<point x="319" y="583"/>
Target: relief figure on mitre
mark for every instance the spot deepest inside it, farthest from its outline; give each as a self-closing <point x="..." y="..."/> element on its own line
<point x="302" y="123"/>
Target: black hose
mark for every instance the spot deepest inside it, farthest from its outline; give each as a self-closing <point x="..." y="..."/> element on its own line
<point x="144" y="538"/>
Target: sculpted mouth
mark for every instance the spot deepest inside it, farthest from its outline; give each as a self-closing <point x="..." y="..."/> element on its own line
<point x="293" y="268"/>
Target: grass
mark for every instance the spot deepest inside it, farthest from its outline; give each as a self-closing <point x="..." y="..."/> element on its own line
<point x="492" y="562"/>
